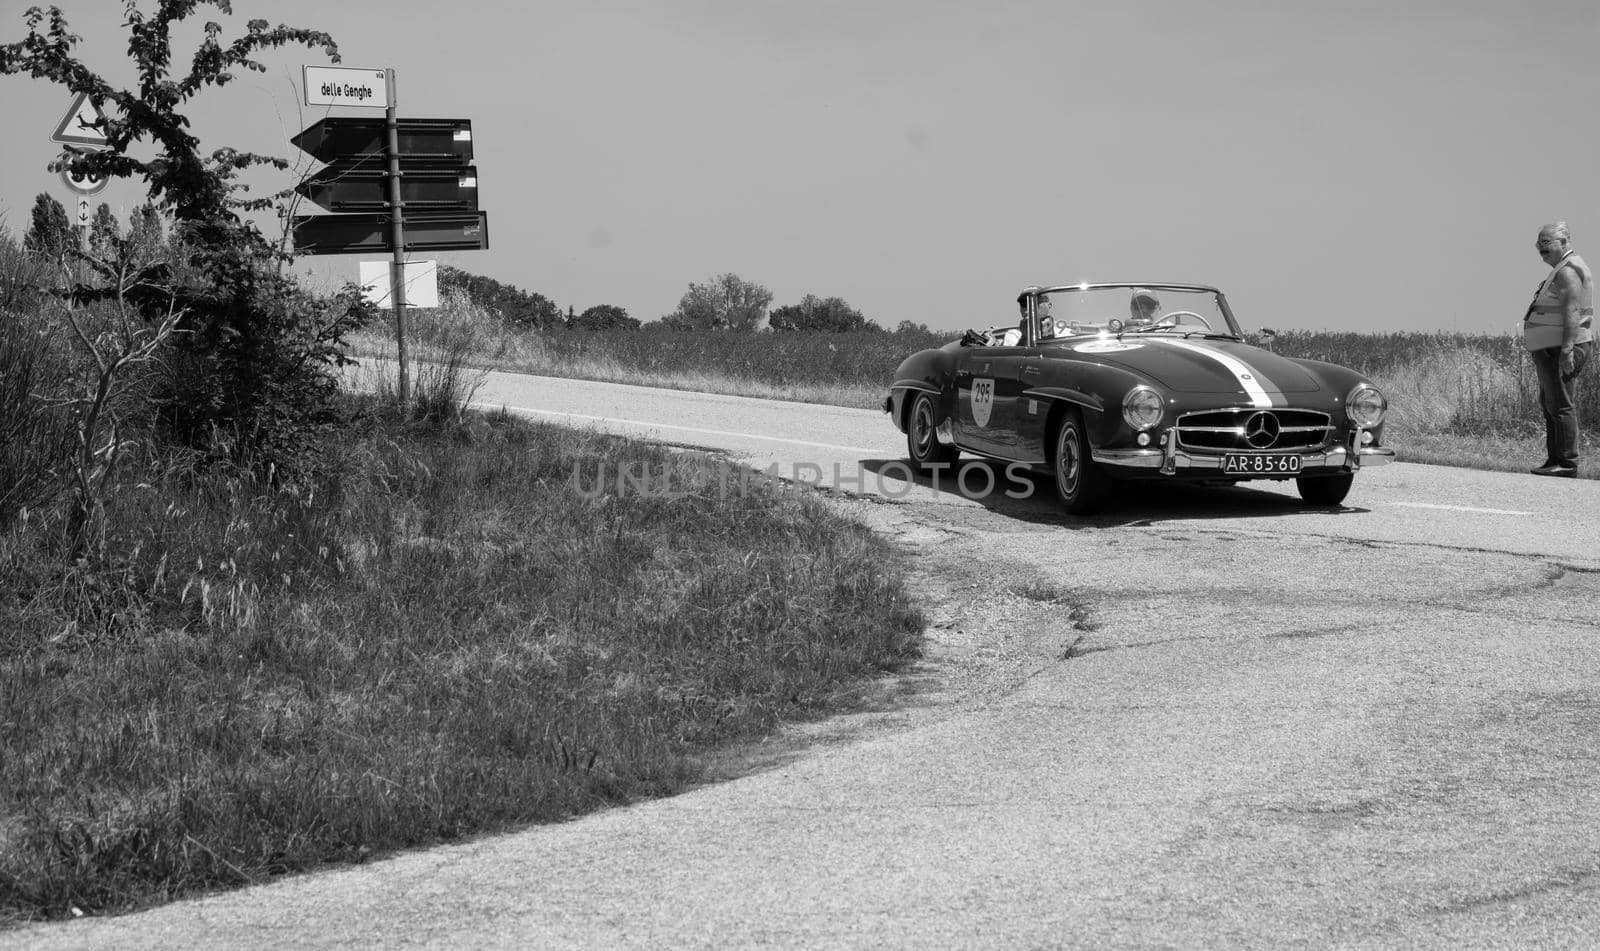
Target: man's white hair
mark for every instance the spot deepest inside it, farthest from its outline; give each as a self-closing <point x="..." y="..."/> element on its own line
<point x="1557" y="229"/>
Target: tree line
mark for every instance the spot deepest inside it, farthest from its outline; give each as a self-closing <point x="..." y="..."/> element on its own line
<point x="52" y="235"/>
<point x="724" y="302"/>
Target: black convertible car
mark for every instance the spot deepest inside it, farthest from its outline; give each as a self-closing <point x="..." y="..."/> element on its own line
<point x="1101" y="383"/>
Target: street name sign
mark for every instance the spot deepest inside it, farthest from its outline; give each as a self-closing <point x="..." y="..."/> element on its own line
<point x="345" y="86"/>
<point x="433" y="141"/>
<point x="369" y="233"/>
<point x="82" y="125"/>
<point x="364" y="186"/>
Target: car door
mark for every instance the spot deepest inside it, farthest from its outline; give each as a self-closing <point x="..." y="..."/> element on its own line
<point x="988" y="384"/>
<point x="1028" y="415"/>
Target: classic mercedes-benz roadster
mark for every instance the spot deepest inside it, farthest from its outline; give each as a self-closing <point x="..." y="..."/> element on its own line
<point x="1106" y="383"/>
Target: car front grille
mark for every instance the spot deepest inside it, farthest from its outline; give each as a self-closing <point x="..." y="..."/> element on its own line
<point x="1253" y="430"/>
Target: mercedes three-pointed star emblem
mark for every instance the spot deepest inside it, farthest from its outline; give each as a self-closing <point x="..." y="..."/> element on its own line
<point x="1261" y="430"/>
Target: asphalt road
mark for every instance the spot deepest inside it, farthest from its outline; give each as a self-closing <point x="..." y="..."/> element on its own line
<point x="1205" y="718"/>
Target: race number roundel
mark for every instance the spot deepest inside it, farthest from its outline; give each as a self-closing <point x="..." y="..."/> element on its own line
<point x="982" y="401"/>
<point x="83" y="184"/>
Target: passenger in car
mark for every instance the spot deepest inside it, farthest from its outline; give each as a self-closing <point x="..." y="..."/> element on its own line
<point x="1142" y="306"/>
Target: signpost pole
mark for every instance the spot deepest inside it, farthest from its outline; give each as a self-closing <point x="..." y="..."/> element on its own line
<point x="397" y="240"/>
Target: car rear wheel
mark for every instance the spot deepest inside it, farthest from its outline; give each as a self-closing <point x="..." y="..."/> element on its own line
<point x="1325" y="490"/>
<point x="922" y="439"/>
<point x="1081" y="486"/>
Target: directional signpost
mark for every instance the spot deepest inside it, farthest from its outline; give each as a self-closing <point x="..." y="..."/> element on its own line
<point x="395" y="185"/>
<point x="369" y="233"/>
<point x="357" y="187"/>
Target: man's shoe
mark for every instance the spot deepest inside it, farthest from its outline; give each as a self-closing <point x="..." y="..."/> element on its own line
<point x="1557" y="470"/>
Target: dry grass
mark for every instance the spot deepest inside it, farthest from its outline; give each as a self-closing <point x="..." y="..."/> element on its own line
<point x="445" y="635"/>
<point x="1456" y="400"/>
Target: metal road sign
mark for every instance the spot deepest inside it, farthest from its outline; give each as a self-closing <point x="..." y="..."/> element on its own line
<point x="364" y="186"/>
<point x="369" y="233"/>
<point x="345" y="86"/>
<point x="387" y="164"/>
<point x="434" y="141"/>
<point x="82" y="183"/>
<point x="419" y="283"/>
<point x="82" y="125"/>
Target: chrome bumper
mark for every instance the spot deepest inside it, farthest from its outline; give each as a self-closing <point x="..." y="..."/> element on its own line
<point x="1169" y="458"/>
<point x="1153" y="459"/>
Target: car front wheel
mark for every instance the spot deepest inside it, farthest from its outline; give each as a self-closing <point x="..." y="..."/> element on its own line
<point x="922" y="439"/>
<point x="1081" y="486"/>
<point x="1325" y="490"/>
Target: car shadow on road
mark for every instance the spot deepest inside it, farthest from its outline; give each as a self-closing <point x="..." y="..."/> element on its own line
<point x="1030" y="496"/>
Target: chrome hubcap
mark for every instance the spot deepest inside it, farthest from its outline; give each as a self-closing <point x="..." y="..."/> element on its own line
<point x="1067" y="461"/>
<point x="922" y="426"/>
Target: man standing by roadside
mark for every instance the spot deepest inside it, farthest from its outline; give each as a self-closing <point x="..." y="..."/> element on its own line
<point x="1558" y="332"/>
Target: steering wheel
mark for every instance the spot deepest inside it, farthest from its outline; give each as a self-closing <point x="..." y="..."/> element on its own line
<point x="1174" y="318"/>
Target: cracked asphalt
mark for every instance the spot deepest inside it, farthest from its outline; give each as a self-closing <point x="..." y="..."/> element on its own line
<point x="1207" y="718"/>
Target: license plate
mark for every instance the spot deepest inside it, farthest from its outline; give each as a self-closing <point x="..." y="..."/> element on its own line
<point x="1256" y="462"/>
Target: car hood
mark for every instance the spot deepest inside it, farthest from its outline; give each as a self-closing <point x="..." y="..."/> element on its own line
<point x="1194" y="365"/>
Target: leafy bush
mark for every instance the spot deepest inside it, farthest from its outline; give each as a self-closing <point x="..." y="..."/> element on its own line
<point x="252" y="376"/>
<point x="251" y="379"/>
<point x="726" y="302"/>
<point x="50" y="235"/>
<point x="603" y="317"/>
<point x="515" y="307"/>
<point x="828" y="315"/>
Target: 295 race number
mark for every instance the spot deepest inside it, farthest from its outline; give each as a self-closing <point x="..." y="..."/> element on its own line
<point x="1262" y="463"/>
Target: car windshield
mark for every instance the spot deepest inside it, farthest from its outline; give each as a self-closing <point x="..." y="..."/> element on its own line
<point x="1135" y="309"/>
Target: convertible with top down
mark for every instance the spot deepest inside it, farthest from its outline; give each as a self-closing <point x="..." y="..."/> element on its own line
<point x="1101" y="384"/>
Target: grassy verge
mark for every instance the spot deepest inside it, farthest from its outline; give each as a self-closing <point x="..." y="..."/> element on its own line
<point x="452" y="634"/>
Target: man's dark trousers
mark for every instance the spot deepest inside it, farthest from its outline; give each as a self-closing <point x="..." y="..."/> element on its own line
<point x="1556" y="401"/>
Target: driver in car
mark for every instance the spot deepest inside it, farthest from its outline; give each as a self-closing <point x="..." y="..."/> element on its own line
<point x="1143" y="307"/>
<point x="1012" y="336"/>
<point x="1047" y="325"/>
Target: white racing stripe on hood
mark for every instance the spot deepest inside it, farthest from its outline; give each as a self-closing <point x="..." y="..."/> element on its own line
<point x="1247" y="377"/>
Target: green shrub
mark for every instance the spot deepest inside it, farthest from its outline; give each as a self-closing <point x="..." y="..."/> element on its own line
<point x="253" y="375"/>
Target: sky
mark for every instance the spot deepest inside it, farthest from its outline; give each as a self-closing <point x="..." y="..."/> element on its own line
<point x="1369" y="165"/>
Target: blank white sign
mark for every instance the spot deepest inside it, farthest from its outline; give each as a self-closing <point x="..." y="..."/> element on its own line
<point x="421" y="280"/>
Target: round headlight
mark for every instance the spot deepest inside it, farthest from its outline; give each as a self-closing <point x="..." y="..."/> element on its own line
<point x="1142" y="407"/>
<point x="1366" y="405"/>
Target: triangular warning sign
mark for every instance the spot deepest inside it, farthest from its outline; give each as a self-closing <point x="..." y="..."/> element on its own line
<point x="80" y="126"/>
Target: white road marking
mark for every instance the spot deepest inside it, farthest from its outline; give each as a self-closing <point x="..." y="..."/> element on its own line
<point x="681" y="429"/>
<point x="1459" y="508"/>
